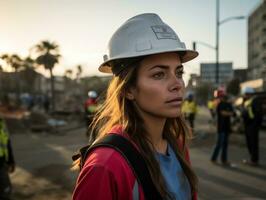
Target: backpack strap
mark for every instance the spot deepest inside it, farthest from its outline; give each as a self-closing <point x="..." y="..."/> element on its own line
<point x="134" y="159"/>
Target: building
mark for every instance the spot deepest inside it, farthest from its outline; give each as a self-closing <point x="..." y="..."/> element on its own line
<point x="24" y="81"/>
<point x="193" y="81"/>
<point x="257" y="43"/>
<point x="240" y="74"/>
<point x="208" y="72"/>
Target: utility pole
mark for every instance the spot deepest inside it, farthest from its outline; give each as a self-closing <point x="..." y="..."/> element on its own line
<point x="217" y="42"/>
<point x="216" y="48"/>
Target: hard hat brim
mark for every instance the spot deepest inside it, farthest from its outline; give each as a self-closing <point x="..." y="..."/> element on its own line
<point x="188" y="55"/>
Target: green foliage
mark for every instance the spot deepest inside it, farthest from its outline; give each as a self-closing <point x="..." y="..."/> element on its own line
<point x="68" y="73"/>
<point x="28" y="63"/>
<point x="13" y="60"/>
<point x="48" y="60"/>
<point x="47" y="54"/>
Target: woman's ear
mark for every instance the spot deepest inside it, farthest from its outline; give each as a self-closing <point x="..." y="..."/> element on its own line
<point x="130" y="94"/>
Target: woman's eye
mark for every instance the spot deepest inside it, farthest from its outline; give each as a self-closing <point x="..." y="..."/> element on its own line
<point x="179" y="74"/>
<point x="158" y="75"/>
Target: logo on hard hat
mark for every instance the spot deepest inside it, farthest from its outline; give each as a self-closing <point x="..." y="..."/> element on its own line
<point x="163" y="32"/>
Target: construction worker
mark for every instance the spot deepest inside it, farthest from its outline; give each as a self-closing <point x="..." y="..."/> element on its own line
<point x="224" y="111"/>
<point x="252" y="120"/>
<point x="7" y="164"/>
<point x="217" y="94"/>
<point x="189" y="108"/>
<point x="211" y="107"/>
<point x="143" y="107"/>
<point x="90" y="107"/>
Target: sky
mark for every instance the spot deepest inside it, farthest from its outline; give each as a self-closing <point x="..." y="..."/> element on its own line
<point x="82" y="28"/>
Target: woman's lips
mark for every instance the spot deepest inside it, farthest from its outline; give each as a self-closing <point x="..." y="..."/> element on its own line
<point x="175" y="102"/>
<point x="179" y="99"/>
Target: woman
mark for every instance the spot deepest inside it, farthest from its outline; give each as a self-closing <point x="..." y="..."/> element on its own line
<point x="143" y="104"/>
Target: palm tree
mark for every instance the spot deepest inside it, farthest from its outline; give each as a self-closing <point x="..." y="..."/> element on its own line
<point x="48" y="56"/>
<point x="28" y="63"/>
<point x="79" y="72"/>
<point x="15" y="62"/>
<point x="68" y="73"/>
<point x="68" y="78"/>
<point x="29" y="74"/>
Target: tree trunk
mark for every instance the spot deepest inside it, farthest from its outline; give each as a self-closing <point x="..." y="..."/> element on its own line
<point x="17" y="88"/>
<point x="52" y="90"/>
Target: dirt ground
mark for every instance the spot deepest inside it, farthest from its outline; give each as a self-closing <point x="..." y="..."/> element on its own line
<point x="43" y="164"/>
<point x="44" y="159"/>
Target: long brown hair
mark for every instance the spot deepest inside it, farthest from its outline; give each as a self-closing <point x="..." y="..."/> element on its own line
<point x="118" y="110"/>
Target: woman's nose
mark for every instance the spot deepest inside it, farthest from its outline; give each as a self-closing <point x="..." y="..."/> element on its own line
<point x="176" y="83"/>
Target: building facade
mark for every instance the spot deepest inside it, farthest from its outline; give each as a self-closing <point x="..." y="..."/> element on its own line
<point x="208" y="72"/>
<point x="240" y="74"/>
<point x="257" y="43"/>
<point x="193" y="81"/>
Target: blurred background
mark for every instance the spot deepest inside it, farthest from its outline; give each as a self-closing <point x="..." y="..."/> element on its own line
<point x="49" y="56"/>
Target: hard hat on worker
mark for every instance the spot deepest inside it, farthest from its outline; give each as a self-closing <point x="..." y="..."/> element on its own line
<point x="247" y="90"/>
<point x="189" y="95"/>
<point x="143" y="35"/>
<point x="219" y="93"/>
<point x="92" y="94"/>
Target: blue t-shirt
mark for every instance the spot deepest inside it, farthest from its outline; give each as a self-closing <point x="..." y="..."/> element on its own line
<point x="174" y="176"/>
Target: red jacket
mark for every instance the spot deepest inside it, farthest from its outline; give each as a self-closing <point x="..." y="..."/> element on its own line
<point x="106" y="175"/>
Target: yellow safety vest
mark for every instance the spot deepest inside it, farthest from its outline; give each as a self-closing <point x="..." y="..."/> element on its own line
<point x="92" y="108"/>
<point x="211" y="105"/>
<point x="189" y="107"/>
<point x="248" y="107"/>
<point x="3" y="141"/>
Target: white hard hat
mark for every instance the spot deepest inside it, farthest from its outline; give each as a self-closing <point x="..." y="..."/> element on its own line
<point x="92" y="94"/>
<point x="247" y="90"/>
<point x="189" y="94"/>
<point x="142" y="35"/>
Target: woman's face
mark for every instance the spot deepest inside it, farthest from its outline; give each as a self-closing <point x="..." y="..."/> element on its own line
<point x="159" y="88"/>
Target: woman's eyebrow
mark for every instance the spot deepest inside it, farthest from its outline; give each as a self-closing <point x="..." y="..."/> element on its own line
<point x="165" y="67"/>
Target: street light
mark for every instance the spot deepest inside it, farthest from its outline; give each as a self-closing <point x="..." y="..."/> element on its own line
<point x="231" y="18"/>
<point x="218" y="24"/>
<point x="194" y="44"/>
